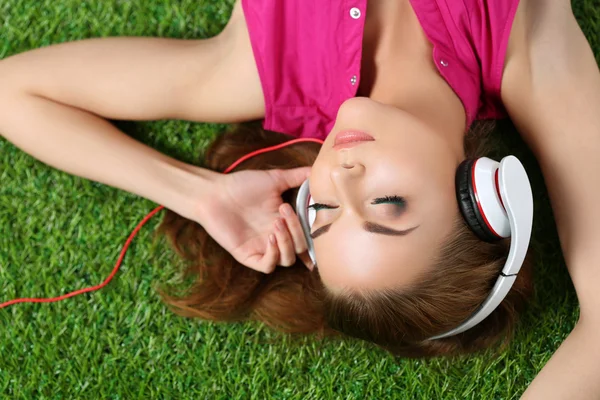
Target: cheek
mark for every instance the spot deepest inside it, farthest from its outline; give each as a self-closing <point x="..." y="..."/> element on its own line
<point x="319" y="175"/>
<point x="440" y="204"/>
<point x="427" y="185"/>
<point x="397" y="173"/>
<point x="420" y="163"/>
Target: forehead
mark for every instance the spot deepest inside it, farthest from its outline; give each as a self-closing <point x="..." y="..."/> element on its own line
<point x="350" y="258"/>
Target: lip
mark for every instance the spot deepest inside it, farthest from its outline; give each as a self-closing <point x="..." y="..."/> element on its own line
<point x="346" y="139"/>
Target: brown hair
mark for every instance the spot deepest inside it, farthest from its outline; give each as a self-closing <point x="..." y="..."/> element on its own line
<point x="294" y="300"/>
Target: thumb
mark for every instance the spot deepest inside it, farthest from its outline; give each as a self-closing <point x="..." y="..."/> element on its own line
<point x="290" y="178"/>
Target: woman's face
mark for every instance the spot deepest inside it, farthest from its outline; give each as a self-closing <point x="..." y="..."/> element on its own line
<point x="393" y="198"/>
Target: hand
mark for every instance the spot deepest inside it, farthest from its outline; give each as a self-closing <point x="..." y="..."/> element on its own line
<point x="290" y="240"/>
<point x="245" y="214"/>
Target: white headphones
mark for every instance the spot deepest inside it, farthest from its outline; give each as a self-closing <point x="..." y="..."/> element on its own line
<point x="496" y="202"/>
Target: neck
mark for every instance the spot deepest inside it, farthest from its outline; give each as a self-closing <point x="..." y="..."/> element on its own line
<point x="398" y="70"/>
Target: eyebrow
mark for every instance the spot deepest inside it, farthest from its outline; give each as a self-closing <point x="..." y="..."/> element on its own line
<point x="369" y="227"/>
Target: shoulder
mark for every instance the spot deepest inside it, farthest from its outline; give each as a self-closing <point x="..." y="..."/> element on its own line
<point x="234" y="80"/>
<point x="542" y="34"/>
<point x="550" y="68"/>
<point x="543" y="52"/>
<point x="236" y="30"/>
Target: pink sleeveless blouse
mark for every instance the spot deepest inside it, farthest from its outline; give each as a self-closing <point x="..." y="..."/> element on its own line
<point x="308" y="54"/>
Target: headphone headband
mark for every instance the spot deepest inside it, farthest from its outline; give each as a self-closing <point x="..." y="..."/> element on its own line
<point x="517" y="199"/>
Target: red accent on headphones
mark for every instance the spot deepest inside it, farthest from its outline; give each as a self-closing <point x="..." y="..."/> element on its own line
<point x="139" y="226"/>
<point x="498" y="188"/>
<point x="477" y="198"/>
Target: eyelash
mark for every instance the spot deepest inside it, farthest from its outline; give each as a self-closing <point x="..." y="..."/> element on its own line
<point x="380" y="200"/>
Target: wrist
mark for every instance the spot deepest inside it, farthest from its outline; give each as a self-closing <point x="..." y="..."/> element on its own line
<point x="187" y="189"/>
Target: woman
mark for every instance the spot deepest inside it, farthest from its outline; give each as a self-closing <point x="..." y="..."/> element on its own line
<point x="418" y="124"/>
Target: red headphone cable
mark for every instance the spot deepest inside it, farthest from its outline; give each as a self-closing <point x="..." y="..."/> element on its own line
<point x="140" y="225"/>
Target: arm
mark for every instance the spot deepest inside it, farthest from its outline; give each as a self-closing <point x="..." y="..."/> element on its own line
<point x="52" y="105"/>
<point x="552" y="91"/>
<point x="53" y="101"/>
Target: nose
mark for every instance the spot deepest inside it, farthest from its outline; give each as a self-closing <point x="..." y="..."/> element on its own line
<point x="348" y="162"/>
<point x="345" y="179"/>
<point x="347" y="170"/>
<point x="350" y="168"/>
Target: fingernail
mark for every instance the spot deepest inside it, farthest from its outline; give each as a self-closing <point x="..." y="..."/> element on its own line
<point x="286" y="210"/>
<point x="272" y="239"/>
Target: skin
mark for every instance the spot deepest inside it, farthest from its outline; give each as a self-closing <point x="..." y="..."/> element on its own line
<point x="551" y="88"/>
<point x="350" y="179"/>
<point x="418" y="126"/>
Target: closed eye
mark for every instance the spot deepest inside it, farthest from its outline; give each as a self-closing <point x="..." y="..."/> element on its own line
<point x="319" y="206"/>
<point x="397" y="200"/>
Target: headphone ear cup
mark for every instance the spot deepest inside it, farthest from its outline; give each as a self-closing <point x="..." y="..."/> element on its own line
<point x="465" y="195"/>
<point x="306" y="216"/>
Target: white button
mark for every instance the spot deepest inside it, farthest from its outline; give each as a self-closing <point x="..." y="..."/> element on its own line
<point x="444" y="63"/>
<point x="355" y="13"/>
<point x="353" y="80"/>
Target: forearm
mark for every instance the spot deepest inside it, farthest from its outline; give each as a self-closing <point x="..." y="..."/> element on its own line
<point x="568" y="156"/>
<point x="574" y="188"/>
<point x="51" y="100"/>
<point x="572" y="372"/>
<point x="85" y="145"/>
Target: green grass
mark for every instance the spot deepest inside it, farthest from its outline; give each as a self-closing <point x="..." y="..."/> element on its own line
<point x="59" y="233"/>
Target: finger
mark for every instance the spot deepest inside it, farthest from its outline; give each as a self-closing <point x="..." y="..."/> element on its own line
<point x="285" y="244"/>
<point x="265" y="263"/>
<point x="293" y="224"/>
<point x="290" y="178"/>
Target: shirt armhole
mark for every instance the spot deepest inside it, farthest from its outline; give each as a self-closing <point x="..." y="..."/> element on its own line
<point x="501" y="59"/>
<point x="252" y="20"/>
